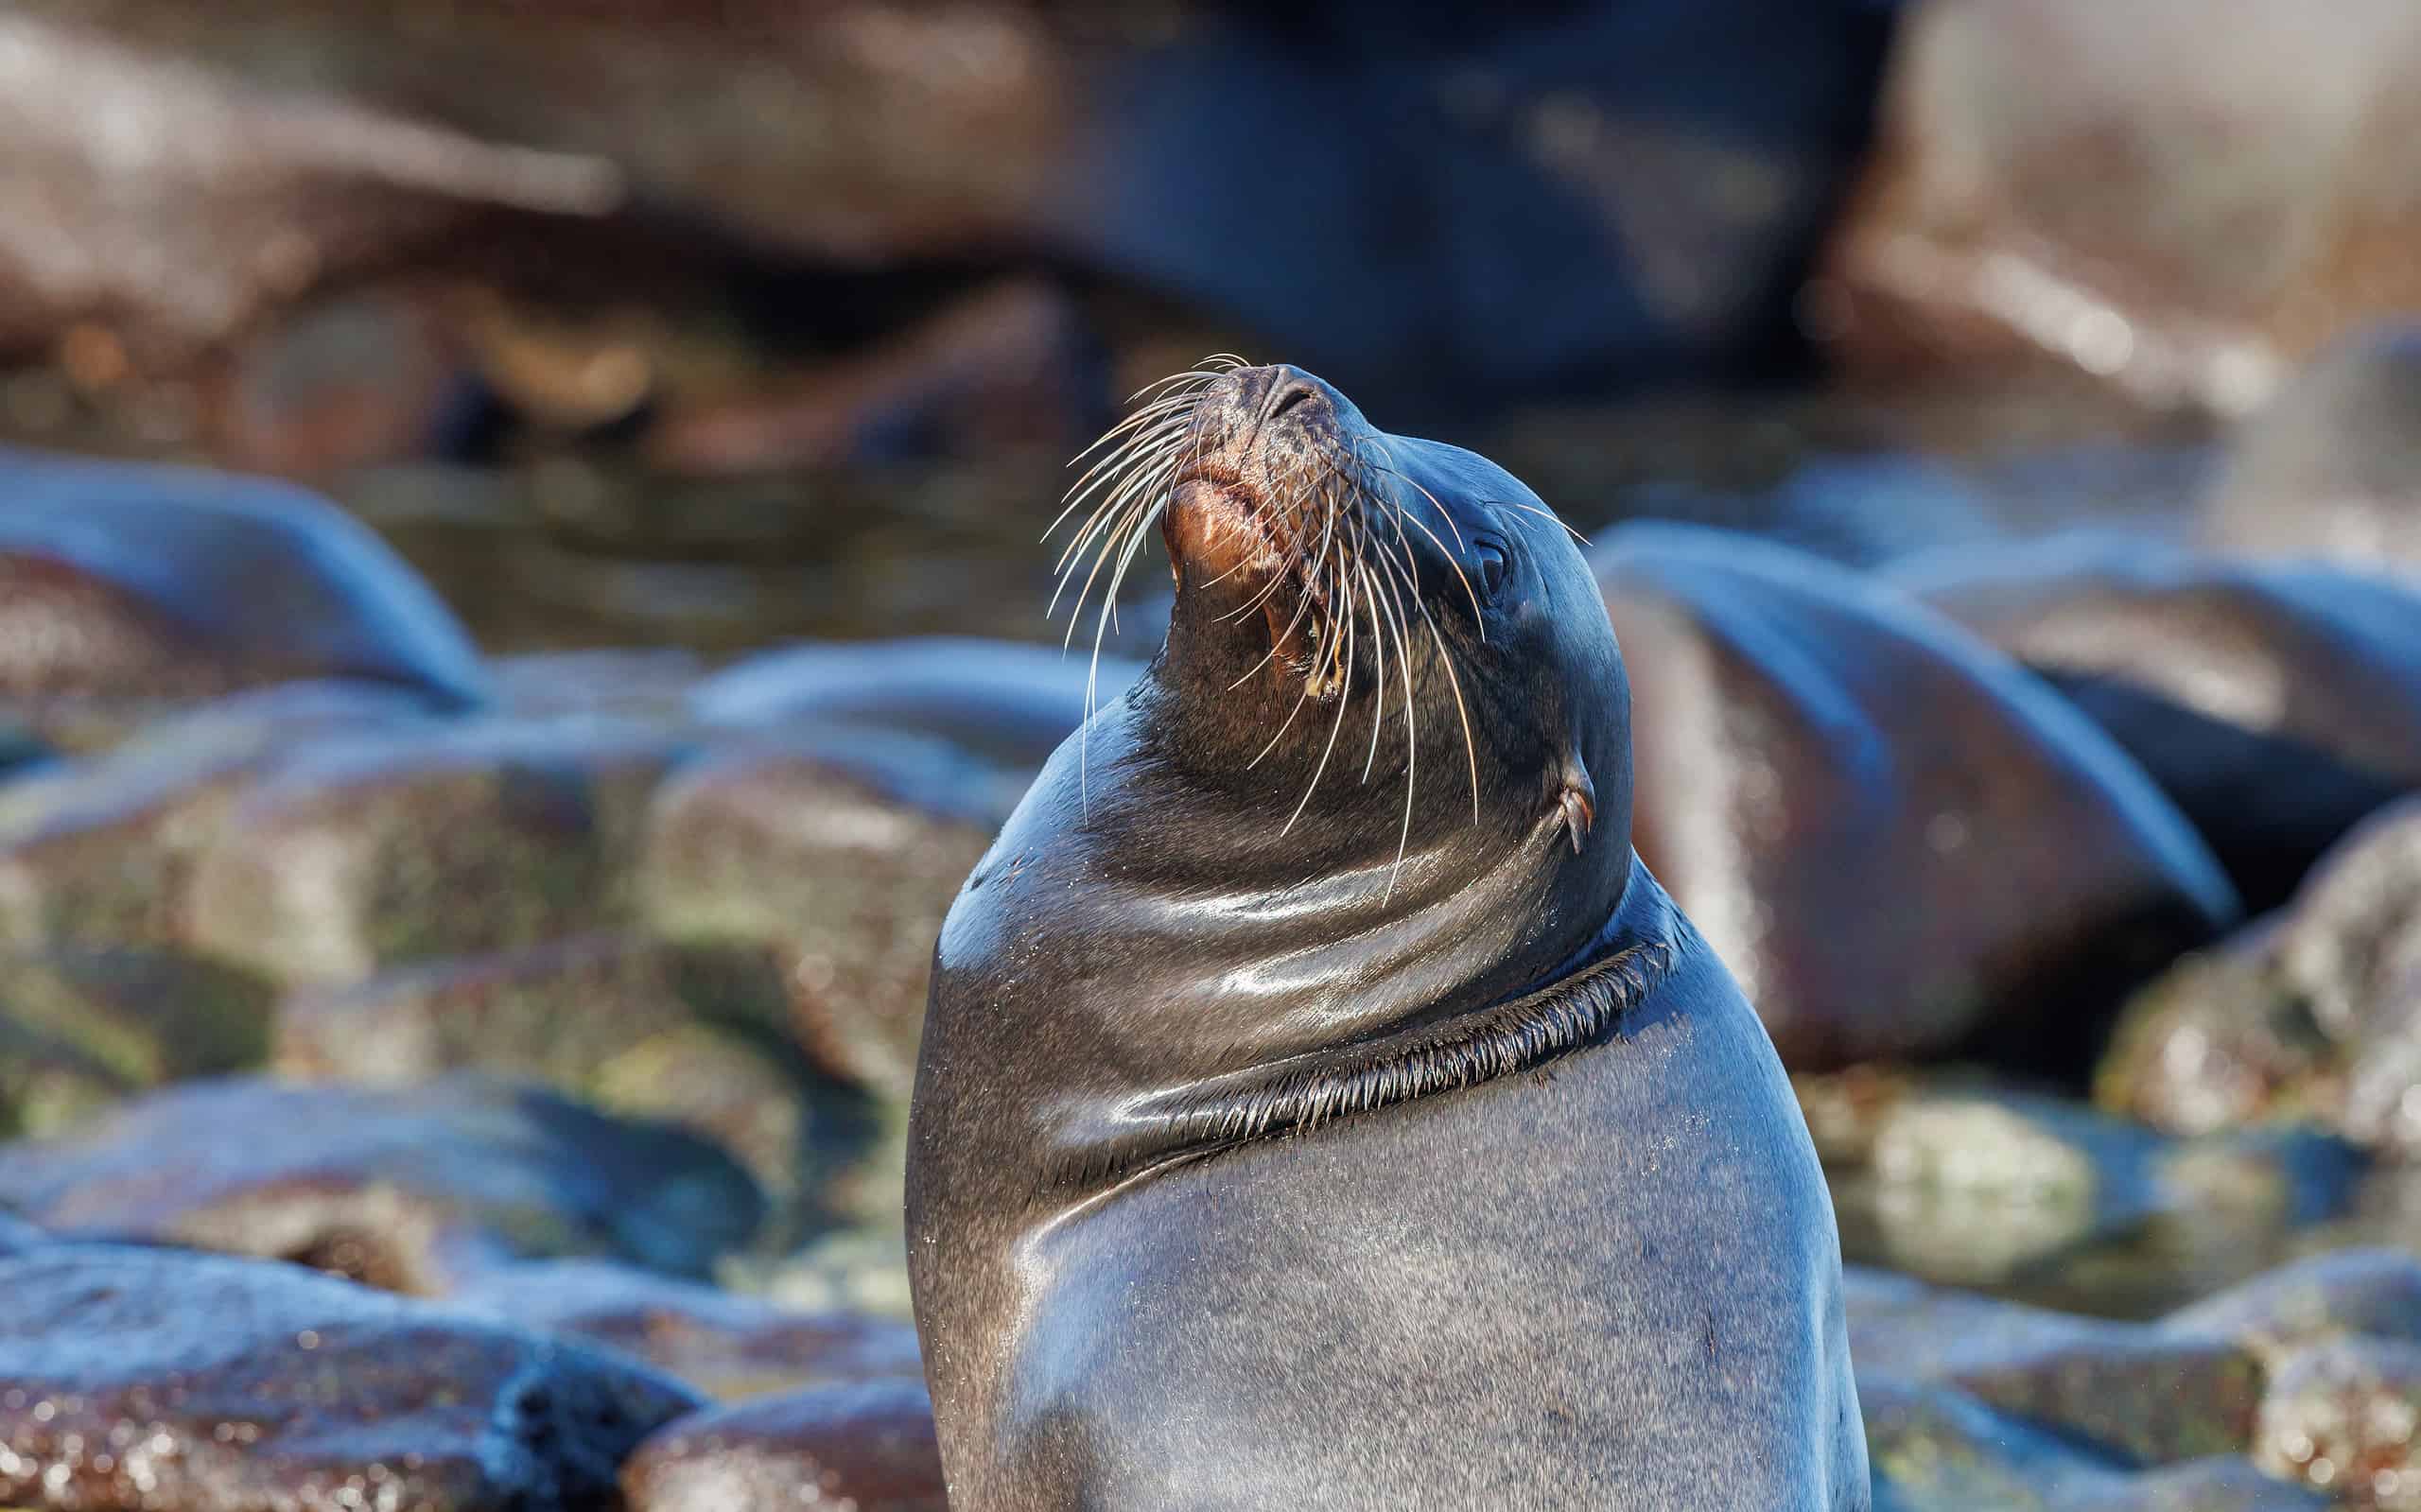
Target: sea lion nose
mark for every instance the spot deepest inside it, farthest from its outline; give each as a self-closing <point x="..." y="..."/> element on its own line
<point x="1287" y="389"/>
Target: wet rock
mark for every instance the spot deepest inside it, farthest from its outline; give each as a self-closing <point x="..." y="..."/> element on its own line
<point x="1634" y="190"/>
<point x="100" y="853"/>
<point x="134" y="1379"/>
<point x="841" y="852"/>
<point x="17" y="1236"/>
<point x="2332" y="469"/>
<point x="2062" y="187"/>
<point x="860" y="1269"/>
<point x="147" y="188"/>
<point x="728" y="1346"/>
<point x="2041" y="1199"/>
<point x="2318" y="1014"/>
<point x="367" y="378"/>
<point x="1008" y="703"/>
<point x="869" y="1447"/>
<point x="2373" y="1293"/>
<point x="2218" y="1041"/>
<point x="2220" y="1484"/>
<point x="462" y="840"/>
<point x="2277" y="705"/>
<point x="648" y="685"/>
<point x="1808" y="742"/>
<point x="413" y="1191"/>
<point x="614" y="1021"/>
<point x="113" y="1023"/>
<point x="1934" y="1448"/>
<point x="1007" y="367"/>
<point x="2343" y="1417"/>
<point x="123" y="589"/>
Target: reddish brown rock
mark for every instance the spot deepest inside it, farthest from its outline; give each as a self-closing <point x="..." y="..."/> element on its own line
<point x="867" y="1447"/>
<point x="2277" y="705"/>
<point x="2153" y="196"/>
<point x="145" y="1379"/>
<point x="1900" y="842"/>
<point x="728" y="1346"/>
<point x="413" y="1191"/>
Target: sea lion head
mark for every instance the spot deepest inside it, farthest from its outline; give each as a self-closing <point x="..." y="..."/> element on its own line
<point x="1353" y="606"/>
<point x="1375" y="785"/>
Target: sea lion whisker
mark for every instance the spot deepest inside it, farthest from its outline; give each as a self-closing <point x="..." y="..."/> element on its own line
<point x="1443" y="512"/>
<point x="1479" y="620"/>
<point x="1454" y="681"/>
<point x="1411" y="733"/>
<point x="1134" y="513"/>
<point x="1362" y="593"/>
<point x="1130" y="528"/>
<point x="1547" y="515"/>
<point x="1300" y="699"/>
<point x="1143" y="449"/>
<point x="1344" y="702"/>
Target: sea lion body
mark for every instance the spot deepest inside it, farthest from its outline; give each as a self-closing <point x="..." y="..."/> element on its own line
<point x="1363" y="1164"/>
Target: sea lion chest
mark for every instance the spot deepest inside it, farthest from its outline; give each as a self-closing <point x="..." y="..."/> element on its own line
<point x="1610" y="1282"/>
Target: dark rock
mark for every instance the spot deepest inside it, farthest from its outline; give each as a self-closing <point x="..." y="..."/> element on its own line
<point x="870" y="1446"/>
<point x="2333" y="468"/>
<point x="134" y="1379"/>
<point x="121" y="1022"/>
<point x="2062" y="187"/>
<point x="125" y="588"/>
<point x="367" y="378"/>
<point x="728" y="1346"/>
<point x="1934" y="1448"/>
<point x="2220" y="1484"/>
<point x="1004" y="702"/>
<point x="841" y="853"/>
<point x="614" y="1021"/>
<point x="1632" y="191"/>
<point x="100" y="854"/>
<point x="1809" y="742"/>
<point x="2375" y="1293"/>
<point x="2041" y="1199"/>
<point x="462" y="840"/>
<point x="413" y="1191"/>
<point x="636" y="685"/>
<point x="208" y="198"/>
<point x="2344" y="1417"/>
<point x="17" y="1236"/>
<point x="1005" y="368"/>
<point x="2276" y="705"/>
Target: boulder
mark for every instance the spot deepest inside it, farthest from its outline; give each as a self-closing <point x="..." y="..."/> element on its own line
<point x="869" y="1446"/>
<point x="1901" y="843"/>
<point x="2277" y="705"/>
<point x="415" y="1191"/>
<point x="138" y="1379"/>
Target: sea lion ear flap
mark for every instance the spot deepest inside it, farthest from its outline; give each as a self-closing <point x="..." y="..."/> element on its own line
<point x="1578" y="800"/>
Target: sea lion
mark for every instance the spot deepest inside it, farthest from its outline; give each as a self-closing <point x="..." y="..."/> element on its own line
<point x="1319" y="1104"/>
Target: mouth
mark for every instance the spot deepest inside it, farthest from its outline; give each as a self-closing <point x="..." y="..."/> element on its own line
<point x="1242" y="557"/>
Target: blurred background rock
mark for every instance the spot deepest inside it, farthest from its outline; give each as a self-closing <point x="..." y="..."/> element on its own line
<point x="520" y="601"/>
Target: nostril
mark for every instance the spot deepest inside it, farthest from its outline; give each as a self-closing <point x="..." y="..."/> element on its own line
<point x="1288" y="396"/>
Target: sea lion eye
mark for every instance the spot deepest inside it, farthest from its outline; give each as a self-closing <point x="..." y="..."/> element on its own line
<point x="1491" y="558"/>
